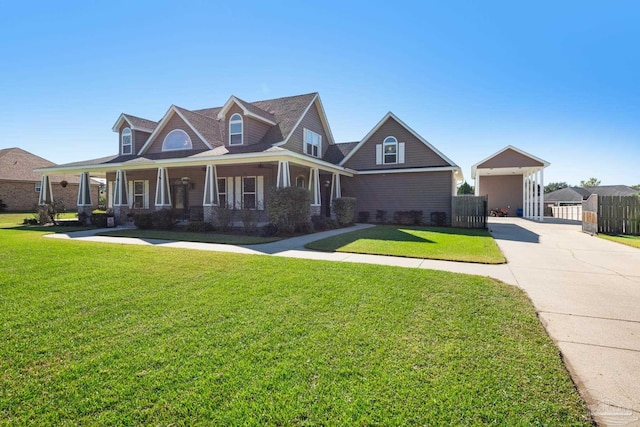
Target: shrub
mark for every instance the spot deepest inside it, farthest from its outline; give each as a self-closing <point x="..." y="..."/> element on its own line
<point x="416" y="217"/>
<point x="401" y="218"/>
<point x="270" y="230"/>
<point x="99" y="220"/>
<point x="304" y="228"/>
<point x="224" y="217"/>
<point x="344" y="208"/>
<point x="288" y="207"/>
<point x="319" y="222"/>
<point x="332" y="224"/>
<point x="3" y="206"/>
<point x="249" y="218"/>
<point x="164" y="219"/>
<point x="144" y="221"/>
<point x="381" y="216"/>
<point x="363" y="216"/>
<point x="196" y="226"/>
<point x="439" y="218"/>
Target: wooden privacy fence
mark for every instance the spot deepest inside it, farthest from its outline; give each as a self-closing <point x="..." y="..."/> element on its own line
<point x="611" y="215"/>
<point x="469" y="211"/>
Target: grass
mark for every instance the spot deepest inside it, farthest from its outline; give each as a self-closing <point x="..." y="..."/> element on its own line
<point x="15" y="220"/>
<point x="622" y="238"/>
<point x="417" y="242"/>
<point x="186" y="236"/>
<point x="125" y="335"/>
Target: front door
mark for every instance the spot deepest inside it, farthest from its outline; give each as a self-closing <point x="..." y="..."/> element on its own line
<point x="180" y="199"/>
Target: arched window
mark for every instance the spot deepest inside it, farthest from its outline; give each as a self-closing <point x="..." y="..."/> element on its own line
<point x="390" y="150"/>
<point x="235" y="130"/>
<point x="177" y="139"/>
<point x="300" y="181"/>
<point x="127" y="147"/>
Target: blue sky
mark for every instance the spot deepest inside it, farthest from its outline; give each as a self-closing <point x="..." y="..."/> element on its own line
<point x="560" y="80"/>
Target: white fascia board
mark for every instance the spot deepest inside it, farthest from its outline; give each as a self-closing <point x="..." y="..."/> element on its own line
<point x="202" y="138"/>
<point x="202" y="161"/>
<point x="509" y="147"/>
<point x="409" y="170"/>
<point x="161" y="124"/>
<point x="323" y="118"/>
<point x="293" y="129"/>
<point x="233" y="100"/>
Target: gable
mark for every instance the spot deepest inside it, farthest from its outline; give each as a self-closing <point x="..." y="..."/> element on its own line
<point x="416" y="152"/>
<point x="176" y="122"/>
<point x="509" y="158"/>
<point x="254" y="130"/>
<point x="311" y="120"/>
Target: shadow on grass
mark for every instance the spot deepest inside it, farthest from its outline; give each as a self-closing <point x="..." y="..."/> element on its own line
<point x="50" y="228"/>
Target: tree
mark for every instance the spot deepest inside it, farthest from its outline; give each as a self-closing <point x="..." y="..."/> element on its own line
<point x="591" y="182"/>
<point x="636" y="187"/>
<point x="465" y="189"/>
<point x="553" y="186"/>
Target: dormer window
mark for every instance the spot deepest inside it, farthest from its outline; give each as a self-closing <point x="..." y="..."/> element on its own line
<point x="177" y="139"/>
<point x="312" y="143"/>
<point x="390" y="150"/>
<point x="235" y="130"/>
<point x="126" y="146"/>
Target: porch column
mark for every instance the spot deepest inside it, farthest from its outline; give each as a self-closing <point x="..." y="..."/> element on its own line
<point x="210" y="198"/>
<point x="121" y="197"/>
<point x="524" y="194"/>
<point x="336" y="191"/>
<point x="163" y="192"/>
<point x="476" y="190"/>
<point x="284" y="177"/>
<point x="46" y="196"/>
<point x="529" y="187"/>
<point x="541" y="194"/>
<point x="85" y="200"/>
<point x="314" y="188"/>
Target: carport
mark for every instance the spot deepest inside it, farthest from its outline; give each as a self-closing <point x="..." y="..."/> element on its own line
<point x="512" y="179"/>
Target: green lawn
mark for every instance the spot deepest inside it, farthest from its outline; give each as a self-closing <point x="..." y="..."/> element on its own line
<point x="98" y="334"/>
<point x="621" y="238"/>
<point x="186" y="236"/>
<point x="452" y="244"/>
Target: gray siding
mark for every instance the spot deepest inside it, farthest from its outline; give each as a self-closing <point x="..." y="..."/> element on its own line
<point x="139" y="139"/>
<point x="175" y="122"/>
<point x="416" y="153"/>
<point x="425" y="191"/>
<point x="509" y="159"/>
<point x="503" y="191"/>
<point x="312" y="122"/>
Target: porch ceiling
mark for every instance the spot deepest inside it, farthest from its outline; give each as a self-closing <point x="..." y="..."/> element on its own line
<point x="520" y="170"/>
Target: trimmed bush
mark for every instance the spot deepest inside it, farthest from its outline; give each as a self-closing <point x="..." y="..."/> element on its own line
<point x="381" y="216"/>
<point x="99" y="220"/>
<point x="344" y="208"/>
<point x="164" y="219"/>
<point x="3" y="206"/>
<point x="319" y="222"/>
<point x="289" y="207"/>
<point x="416" y="217"/>
<point x="144" y="221"/>
<point x="402" y="218"/>
<point x="249" y="218"/>
<point x="270" y="230"/>
<point x="363" y="216"/>
<point x="224" y="217"/>
<point x="439" y="218"/>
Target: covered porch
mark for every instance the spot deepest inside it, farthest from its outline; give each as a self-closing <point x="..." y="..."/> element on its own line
<point x="197" y="187"/>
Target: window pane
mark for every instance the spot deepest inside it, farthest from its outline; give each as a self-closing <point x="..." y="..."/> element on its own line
<point x="249" y="185"/>
<point x="236" y="139"/>
<point x="138" y="187"/>
<point x="390" y="149"/>
<point x="236" y="127"/>
<point x="249" y="201"/>
<point x="389" y="158"/>
<point x="223" y="199"/>
<point x="138" y="202"/>
<point x="177" y="140"/>
<point x="222" y="185"/>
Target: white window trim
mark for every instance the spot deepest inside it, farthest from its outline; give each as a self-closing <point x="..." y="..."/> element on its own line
<point x="305" y="142"/>
<point x="254" y="192"/>
<point x="222" y="191"/>
<point x="304" y="181"/>
<point x="176" y="149"/>
<point x="38" y="187"/>
<point x="241" y="133"/>
<point x="144" y="194"/>
<point x="130" y="144"/>
<point x="384" y="151"/>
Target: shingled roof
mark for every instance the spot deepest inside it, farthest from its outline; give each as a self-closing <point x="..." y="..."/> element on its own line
<point x="17" y="164"/>
<point x="140" y="123"/>
<point x="577" y="194"/>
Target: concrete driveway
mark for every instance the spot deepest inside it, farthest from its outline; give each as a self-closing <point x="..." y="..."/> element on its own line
<point x="587" y="293"/>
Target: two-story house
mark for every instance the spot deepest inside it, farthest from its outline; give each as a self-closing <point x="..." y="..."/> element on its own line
<point x="195" y="160"/>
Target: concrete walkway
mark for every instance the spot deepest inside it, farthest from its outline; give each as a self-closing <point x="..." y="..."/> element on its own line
<point x="586" y="291"/>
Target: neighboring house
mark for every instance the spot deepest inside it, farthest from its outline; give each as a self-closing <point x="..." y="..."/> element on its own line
<point x="575" y="195"/>
<point x="512" y="179"/>
<point x="195" y="160"/>
<point x="20" y="185"/>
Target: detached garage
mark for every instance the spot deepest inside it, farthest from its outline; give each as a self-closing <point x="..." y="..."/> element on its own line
<point x="514" y="180"/>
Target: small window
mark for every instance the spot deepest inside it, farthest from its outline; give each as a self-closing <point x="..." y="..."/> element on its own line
<point x="235" y="130"/>
<point x="390" y="150"/>
<point x="138" y="194"/>
<point x="300" y="181"/>
<point x="222" y="191"/>
<point x="177" y="139"/>
<point x="249" y="192"/>
<point x="39" y="186"/>
<point x="126" y="141"/>
<point x="312" y="143"/>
